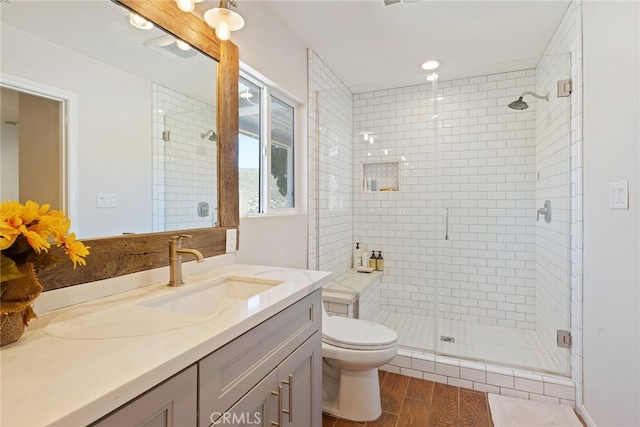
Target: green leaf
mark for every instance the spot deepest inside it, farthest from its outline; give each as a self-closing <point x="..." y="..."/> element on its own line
<point x="9" y="269"/>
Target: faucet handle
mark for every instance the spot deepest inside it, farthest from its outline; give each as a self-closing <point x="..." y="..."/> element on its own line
<point x="180" y="237"/>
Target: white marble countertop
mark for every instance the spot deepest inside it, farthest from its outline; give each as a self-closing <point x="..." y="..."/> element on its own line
<point x="77" y="364"/>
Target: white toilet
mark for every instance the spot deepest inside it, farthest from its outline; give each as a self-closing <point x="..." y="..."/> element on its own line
<point x="352" y="352"/>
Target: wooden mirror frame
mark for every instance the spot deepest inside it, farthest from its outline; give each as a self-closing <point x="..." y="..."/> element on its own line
<point x="118" y="256"/>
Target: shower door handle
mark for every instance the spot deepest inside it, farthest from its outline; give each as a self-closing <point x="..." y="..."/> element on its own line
<point x="446" y="223"/>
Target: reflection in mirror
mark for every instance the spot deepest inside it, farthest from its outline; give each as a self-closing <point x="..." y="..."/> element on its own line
<point x="137" y="119"/>
<point x="31" y="136"/>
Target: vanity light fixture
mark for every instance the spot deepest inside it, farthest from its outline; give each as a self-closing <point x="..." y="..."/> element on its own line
<point x="223" y="19"/>
<point x="246" y="95"/>
<point x="187" y="5"/>
<point x="139" y="22"/>
<point x="430" y="64"/>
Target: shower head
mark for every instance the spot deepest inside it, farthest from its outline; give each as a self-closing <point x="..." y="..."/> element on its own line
<point x="519" y="104"/>
<point x="213" y="136"/>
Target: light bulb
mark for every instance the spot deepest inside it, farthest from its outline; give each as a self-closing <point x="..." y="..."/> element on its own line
<point x="182" y="45"/>
<point x="139" y="22"/>
<point x="222" y="30"/>
<point x="430" y="64"/>
<point x="186" y="5"/>
<point x="433" y="76"/>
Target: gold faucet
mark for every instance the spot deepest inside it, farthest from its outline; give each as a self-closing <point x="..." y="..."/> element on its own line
<point x="175" y="258"/>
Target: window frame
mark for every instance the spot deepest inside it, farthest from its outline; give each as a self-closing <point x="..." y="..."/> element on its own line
<point x="268" y="91"/>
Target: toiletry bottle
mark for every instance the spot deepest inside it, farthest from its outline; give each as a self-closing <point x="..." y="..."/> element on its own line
<point x="357" y="256"/>
<point x="372" y="260"/>
<point x="380" y="262"/>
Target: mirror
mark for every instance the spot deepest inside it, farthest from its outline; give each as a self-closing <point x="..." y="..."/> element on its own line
<point x="142" y="150"/>
<point x="121" y="255"/>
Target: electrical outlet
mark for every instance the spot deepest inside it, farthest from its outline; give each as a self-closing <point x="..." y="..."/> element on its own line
<point x="232" y="237"/>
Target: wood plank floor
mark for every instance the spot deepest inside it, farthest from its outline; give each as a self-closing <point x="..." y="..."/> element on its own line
<point x="412" y="402"/>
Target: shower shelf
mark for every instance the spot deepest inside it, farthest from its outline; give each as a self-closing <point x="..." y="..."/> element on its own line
<point x="383" y="176"/>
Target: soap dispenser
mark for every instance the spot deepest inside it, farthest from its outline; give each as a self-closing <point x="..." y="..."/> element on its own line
<point x="357" y="256"/>
<point x="373" y="260"/>
<point x="379" y="262"/>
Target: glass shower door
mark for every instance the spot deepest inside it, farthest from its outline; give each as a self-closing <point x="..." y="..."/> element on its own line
<point x="502" y="260"/>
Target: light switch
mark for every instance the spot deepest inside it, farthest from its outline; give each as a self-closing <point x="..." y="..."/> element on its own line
<point x="106" y="200"/>
<point x="619" y="195"/>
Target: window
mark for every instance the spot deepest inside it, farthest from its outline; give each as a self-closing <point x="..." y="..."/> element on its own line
<point x="265" y="149"/>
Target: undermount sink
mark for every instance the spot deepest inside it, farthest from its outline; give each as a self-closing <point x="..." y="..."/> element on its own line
<point x="213" y="297"/>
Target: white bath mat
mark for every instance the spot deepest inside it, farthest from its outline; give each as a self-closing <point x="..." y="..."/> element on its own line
<point x="513" y="412"/>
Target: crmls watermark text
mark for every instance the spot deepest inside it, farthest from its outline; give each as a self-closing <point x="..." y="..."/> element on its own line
<point x="235" y="418"/>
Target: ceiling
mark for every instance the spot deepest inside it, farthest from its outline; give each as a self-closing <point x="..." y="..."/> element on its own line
<point x="371" y="46"/>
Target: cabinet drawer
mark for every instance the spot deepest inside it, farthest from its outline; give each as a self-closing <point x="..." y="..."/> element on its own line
<point x="230" y="372"/>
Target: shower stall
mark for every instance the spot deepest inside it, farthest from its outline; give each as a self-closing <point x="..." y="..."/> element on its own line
<point x="472" y="211"/>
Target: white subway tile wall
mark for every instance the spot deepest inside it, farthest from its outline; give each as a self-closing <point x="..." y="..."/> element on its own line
<point x="330" y="169"/>
<point x="519" y="383"/>
<point x="487" y="160"/>
<point x="369" y="302"/>
<point x="184" y="172"/>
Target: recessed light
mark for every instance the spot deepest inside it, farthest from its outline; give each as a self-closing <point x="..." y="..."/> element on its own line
<point x="430" y="64"/>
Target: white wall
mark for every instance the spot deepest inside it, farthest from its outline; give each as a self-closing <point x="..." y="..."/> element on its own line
<point x="276" y="241"/>
<point x="269" y="48"/>
<point x="611" y="332"/>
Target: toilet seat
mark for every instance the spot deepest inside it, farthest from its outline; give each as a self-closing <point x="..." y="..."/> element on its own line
<point x="357" y="334"/>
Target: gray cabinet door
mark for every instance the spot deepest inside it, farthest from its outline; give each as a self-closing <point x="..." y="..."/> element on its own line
<point x="258" y="408"/>
<point x="173" y="403"/>
<point x="300" y="376"/>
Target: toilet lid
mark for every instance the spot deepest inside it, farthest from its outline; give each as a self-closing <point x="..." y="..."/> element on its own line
<point x="357" y="334"/>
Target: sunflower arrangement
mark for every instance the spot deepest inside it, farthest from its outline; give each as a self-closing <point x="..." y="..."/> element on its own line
<point x="27" y="232"/>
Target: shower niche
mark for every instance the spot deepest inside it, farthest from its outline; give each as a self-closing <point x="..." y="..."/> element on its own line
<point x="380" y="177"/>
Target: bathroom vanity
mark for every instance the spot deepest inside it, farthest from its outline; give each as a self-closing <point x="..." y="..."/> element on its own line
<point x="154" y="356"/>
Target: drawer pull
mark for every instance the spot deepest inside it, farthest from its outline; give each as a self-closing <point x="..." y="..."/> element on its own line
<point x="290" y="410"/>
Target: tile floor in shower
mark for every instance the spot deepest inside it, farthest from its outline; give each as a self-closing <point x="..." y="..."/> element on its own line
<point x="486" y="343"/>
